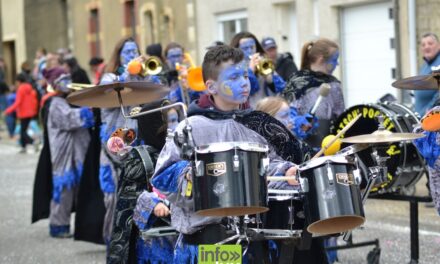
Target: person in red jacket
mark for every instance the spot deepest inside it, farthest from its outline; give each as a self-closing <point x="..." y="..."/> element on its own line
<point x="26" y="108"/>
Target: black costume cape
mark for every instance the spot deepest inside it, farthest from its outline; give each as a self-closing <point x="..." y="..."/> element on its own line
<point x="43" y="176"/>
<point x="89" y="206"/>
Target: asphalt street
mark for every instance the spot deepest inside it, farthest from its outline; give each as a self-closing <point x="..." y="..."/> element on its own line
<point x="23" y="242"/>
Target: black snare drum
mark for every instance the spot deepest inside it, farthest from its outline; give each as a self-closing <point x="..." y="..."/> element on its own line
<point x="286" y="210"/>
<point x="405" y="166"/>
<point x="230" y="179"/>
<point x="332" y="200"/>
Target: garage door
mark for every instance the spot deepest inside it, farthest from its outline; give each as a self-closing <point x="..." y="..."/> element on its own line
<point x="368" y="53"/>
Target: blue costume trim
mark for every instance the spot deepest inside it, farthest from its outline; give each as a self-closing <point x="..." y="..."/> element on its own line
<point x="255" y="86"/>
<point x="175" y="95"/>
<point x="428" y="147"/>
<point x="69" y="179"/>
<point x="186" y="253"/>
<point x="279" y="83"/>
<point x="87" y="116"/>
<point x="167" y="180"/>
<point x="148" y="218"/>
<point x="273" y="250"/>
<point x="106" y="179"/>
<point x="154" y="251"/>
<point x="103" y="135"/>
<point x="57" y="230"/>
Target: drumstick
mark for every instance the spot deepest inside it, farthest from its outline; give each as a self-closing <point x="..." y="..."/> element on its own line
<point x="347" y="127"/>
<point x="280" y="178"/>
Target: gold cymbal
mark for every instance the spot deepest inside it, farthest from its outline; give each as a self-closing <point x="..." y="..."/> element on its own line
<point x="106" y="95"/>
<point x="382" y="136"/>
<point x="420" y="82"/>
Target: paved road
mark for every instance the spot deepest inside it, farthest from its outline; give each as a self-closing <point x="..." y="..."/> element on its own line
<point x="21" y="242"/>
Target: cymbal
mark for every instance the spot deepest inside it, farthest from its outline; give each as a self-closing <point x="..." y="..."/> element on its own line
<point x="420" y="82"/>
<point x="132" y="93"/>
<point x="382" y="136"/>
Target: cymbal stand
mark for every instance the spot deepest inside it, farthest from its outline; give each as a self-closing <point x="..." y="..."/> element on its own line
<point x="375" y="172"/>
<point x="185" y="139"/>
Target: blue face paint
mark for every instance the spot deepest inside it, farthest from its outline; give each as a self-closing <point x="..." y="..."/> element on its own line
<point x="332" y="62"/>
<point x="233" y="83"/>
<point x="174" y="56"/>
<point x="128" y="53"/>
<point x="173" y="119"/>
<point x="283" y="115"/>
<point x="248" y="46"/>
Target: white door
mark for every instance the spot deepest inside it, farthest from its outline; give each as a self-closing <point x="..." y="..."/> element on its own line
<point x="368" y="55"/>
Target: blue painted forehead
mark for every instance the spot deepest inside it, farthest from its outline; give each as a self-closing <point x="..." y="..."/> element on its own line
<point x="237" y="68"/>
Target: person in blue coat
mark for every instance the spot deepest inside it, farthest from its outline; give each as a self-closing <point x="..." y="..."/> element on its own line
<point x="430" y="48"/>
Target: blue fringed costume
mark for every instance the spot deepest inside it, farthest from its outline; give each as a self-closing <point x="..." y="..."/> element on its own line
<point x="68" y="140"/>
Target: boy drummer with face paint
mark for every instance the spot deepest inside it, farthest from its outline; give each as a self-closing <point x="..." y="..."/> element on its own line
<point x="222" y="115"/>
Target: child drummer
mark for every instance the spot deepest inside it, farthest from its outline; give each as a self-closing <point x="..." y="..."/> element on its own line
<point x="221" y="115"/>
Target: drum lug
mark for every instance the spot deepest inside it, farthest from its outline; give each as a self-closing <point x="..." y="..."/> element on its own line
<point x="236" y="163"/>
<point x="264" y="165"/>
<point x="330" y="174"/>
<point x="357" y="176"/>
<point x="200" y="168"/>
<point x="304" y="184"/>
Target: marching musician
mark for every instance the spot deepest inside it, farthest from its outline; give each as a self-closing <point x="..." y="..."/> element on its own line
<point x="125" y="51"/>
<point x="261" y="85"/>
<point x="178" y="67"/>
<point x="318" y="61"/>
<point x="222" y="115"/>
<point x="429" y="148"/>
<point x="284" y="64"/>
<point x="68" y="135"/>
<point x="138" y="206"/>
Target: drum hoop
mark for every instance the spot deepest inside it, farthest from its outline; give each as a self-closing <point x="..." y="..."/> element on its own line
<point x="225" y="146"/>
<point x="321" y="160"/>
<point x="283" y="192"/>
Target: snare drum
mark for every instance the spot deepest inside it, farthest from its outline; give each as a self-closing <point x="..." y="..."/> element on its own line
<point x="332" y="197"/>
<point x="230" y="179"/>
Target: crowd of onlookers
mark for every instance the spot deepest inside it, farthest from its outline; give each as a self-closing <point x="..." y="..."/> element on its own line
<point x="21" y="98"/>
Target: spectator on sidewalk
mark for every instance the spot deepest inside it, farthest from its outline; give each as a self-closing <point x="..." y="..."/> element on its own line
<point x="26" y="108"/>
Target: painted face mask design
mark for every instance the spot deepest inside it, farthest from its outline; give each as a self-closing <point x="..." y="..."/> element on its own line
<point x="332" y="62"/>
<point x="128" y="53"/>
<point x="233" y="83"/>
<point x="174" y="56"/>
<point x="249" y="47"/>
<point x="173" y="119"/>
<point x="283" y="115"/>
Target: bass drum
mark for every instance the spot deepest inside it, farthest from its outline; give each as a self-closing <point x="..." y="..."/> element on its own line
<point x="405" y="165"/>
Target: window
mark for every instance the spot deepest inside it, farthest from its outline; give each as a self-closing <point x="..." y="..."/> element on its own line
<point x="130" y="18"/>
<point x="95" y="45"/>
<point x="230" y="24"/>
<point x="149" y="34"/>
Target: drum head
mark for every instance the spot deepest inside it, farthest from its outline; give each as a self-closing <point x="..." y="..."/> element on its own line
<point x="397" y="118"/>
<point x="336" y="225"/>
<point x="233" y="211"/>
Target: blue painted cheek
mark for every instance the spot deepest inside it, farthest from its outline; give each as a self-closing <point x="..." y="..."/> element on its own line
<point x="236" y="90"/>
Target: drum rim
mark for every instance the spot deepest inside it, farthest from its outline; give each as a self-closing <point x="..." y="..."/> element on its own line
<point x="228" y="145"/>
<point x="322" y="160"/>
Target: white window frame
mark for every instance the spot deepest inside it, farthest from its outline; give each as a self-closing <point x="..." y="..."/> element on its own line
<point x="230" y="16"/>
